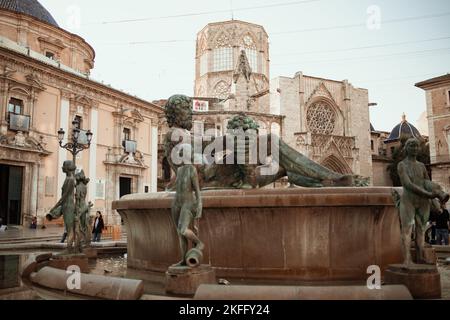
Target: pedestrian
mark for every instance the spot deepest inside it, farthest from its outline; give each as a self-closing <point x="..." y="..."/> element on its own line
<point x="442" y="225"/>
<point x="33" y="224"/>
<point x="2" y="227"/>
<point x="432" y="222"/>
<point x="98" y="227"/>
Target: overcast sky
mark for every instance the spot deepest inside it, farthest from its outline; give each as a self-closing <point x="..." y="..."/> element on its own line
<point x="147" y="48"/>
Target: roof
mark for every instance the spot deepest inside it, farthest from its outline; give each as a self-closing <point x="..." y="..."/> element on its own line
<point x="404" y="128"/>
<point x="434" y="82"/>
<point x="29" y="7"/>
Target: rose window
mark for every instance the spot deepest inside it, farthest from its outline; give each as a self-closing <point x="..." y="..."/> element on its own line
<point x="221" y="90"/>
<point x="321" y="118"/>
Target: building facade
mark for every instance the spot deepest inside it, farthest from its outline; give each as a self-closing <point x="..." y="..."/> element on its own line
<point x="437" y="92"/>
<point x="44" y="86"/>
<point x="326" y="120"/>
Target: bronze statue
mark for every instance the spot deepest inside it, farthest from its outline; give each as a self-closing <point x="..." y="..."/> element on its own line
<point x="82" y="208"/>
<point x="414" y="204"/>
<point x="187" y="210"/>
<point x="66" y="207"/>
<point x="300" y="170"/>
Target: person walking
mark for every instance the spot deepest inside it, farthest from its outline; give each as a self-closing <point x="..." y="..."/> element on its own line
<point x="442" y="225"/>
<point x="98" y="227"/>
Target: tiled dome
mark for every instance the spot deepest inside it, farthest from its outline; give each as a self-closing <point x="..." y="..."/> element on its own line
<point x="29" y="7"/>
<point x="404" y="128"/>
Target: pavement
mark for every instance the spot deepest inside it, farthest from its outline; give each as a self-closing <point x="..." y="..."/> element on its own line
<point x="24" y="234"/>
<point x="18" y="237"/>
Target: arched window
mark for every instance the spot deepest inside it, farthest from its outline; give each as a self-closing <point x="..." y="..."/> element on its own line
<point x="223" y="59"/>
<point x="321" y="118"/>
<point x="223" y="53"/>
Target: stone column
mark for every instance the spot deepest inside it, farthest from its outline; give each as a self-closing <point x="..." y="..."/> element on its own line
<point x="34" y="188"/>
<point x="116" y="216"/>
<point x="301" y="99"/>
<point x="347" y="108"/>
<point x="117" y="143"/>
<point x="93" y="155"/>
<point x="154" y="157"/>
<point x="3" y="107"/>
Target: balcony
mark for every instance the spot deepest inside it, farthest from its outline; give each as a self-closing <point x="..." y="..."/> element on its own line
<point x="18" y="122"/>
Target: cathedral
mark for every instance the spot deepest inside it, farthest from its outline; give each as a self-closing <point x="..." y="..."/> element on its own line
<point x="327" y="120"/>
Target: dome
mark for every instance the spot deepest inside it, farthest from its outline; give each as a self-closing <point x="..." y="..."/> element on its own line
<point x="29" y="7"/>
<point x="404" y="128"/>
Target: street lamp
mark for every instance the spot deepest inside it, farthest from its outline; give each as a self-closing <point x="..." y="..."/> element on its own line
<point x="74" y="147"/>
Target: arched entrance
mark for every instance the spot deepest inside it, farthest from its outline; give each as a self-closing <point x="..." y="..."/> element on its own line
<point x="333" y="163"/>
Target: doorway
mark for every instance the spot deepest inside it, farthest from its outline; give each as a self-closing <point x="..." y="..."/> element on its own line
<point x="125" y="186"/>
<point x="11" y="194"/>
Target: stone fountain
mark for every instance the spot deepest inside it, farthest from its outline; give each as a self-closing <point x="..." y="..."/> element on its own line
<point x="326" y="234"/>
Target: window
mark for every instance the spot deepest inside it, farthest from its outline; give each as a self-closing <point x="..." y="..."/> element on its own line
<point x="126" y="134"/>
<point x="223" y="59"/>
<point x="371" y="144"/>
<point x="221" y="90"/>
<point x="448" y="98"/>
<point x="50" y="55"/>
<point x="321" y="118"/>
<point x="15" y="106"/>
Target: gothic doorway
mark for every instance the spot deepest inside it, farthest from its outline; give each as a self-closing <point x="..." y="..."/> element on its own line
<point x="11" y="194"/>
<point x="333" y="163"/>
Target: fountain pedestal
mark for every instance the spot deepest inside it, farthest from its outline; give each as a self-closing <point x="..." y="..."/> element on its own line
<point x="64" y="261"/>
<point x="422" y="280"/>
<point x="184" y="280"/>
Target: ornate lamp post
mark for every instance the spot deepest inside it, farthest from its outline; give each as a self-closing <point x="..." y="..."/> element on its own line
<point x="74" y="147"/>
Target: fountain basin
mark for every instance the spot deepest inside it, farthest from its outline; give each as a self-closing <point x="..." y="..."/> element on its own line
<point x="295" y="234"/>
